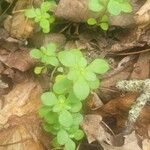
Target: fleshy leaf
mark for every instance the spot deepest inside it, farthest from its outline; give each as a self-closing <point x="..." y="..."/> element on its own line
<point x="70" y="145"/>
<point x="95" y="5"/>
<point x="92" y="21"/>
<point x="81" y="89"/>
<point x="49" y="99"/>
<point x="62" y="137"/>
<point x="36" y="53"/>
<point x="99" y="66"/>
<point x="78" y="135"/>
<point x="30" y="13"/>
<point x="65" y="118"/>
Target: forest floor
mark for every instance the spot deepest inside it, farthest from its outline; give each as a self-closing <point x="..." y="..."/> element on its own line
<point x="125" y="46"/>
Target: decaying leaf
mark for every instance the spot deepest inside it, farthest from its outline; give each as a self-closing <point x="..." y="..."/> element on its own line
<point x="20" y="59"/>
<point x="142" y="17"/>
<point x="23" y="99"/>
<point x="93" y="128"/>
<point x="130" y="143"/>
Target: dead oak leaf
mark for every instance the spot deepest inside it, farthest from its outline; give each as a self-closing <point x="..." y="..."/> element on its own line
<point x="131" y="143"/>
<point x="93" y="128"/>
<point x="22" y="100"/>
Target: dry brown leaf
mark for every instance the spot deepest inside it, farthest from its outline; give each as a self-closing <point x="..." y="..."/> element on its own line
<point x="146" y="144"/>
<point x="131" y="143"/>
<point x="115" y="114"/>
<point x="23" y="99"/>
<point x="20" y="59"/>
<point x="143" y="15"/>
<point x="93" y="128"/>
<point x="142" y="67"/>
<point x="23" y="133"/>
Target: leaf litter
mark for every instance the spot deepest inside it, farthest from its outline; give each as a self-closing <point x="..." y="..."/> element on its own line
<point x="106" y="110"/>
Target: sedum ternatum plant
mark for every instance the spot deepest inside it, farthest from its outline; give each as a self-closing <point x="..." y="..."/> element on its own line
<point x="107" y="8"/>
<point x="43" y="15"/>
<point x="62" y="104"/>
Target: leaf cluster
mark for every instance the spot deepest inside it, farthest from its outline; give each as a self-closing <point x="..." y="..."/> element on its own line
<point x="42" y="15"/>
<point x="107" y="7"/>
<point x="62" y="105"/>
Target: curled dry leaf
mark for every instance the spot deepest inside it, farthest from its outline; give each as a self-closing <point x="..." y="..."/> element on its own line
<point x="141" y="67"/>
<point x="130" y="143"/>
<point x="93" y="128"/>
<point x="142" y="16"/>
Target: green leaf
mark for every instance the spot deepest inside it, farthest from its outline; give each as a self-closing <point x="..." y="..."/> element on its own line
<point x="38" y="70"/>
<point x="113" y="7"/>
<point x="104" y="18"/>
<point x="99" y="66"/>
<point x="55" y="143"/>
<point x="61" y="86"/>
<point x="95" y="5"/>
<point x="30" y="13"/>
<point x="73" y="74"/>
<point x="44" y="23"/>
<point x="81" y="89"/>
<point x="82" y="62"/>
<point x="65" y="118"/>
<point x="53" y="61"/>
<point x="92" y="21"/>
<point x="90" y="76"/>
<point x="50" y="117"/>
<point x="45" y="6"/>
<point x="78" y="135"/>
<point x="94" y="84"/>
<point x="51" y="47"/>
<point x="62" y="137"/>
<point x="77" y="119"/>
<point x="69" y="58"/>
<point x="76" y="106"/>
<point x="46" y="30"/>
<point x="49" y="99"/>
<point x="104" y="26"/>
<point x="126" y="7"/>
<point x="51" y="19"/>
<point x="43" y="111"/>
<point x="70" y="145"/>
<point x="36" y="53"/>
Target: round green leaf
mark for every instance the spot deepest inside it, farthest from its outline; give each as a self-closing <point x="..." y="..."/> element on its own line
<point x="43" y="111"/>
<point x="76" y="106"/>
<point x="77" y="119"/>
<point x="90" y="76"/>
<point x="99" y="66"/>
<point x="49" y="99"/>
<point x="53" y="61"/>
<point x="78" y="135"/>
<point x="126" y="7"/>
<point x="30" y="13"/>
<point x="50" y="117"/>
<point x="51" y="47"/>
<point x="70" y="145"/>
<point x="104" y="26"/>
<point x="94" y="84"/>
<point x="38" y="70"/>
<point x="62" y="137"/>
<point x="95" y="5"/>
<point x="36" y="53"/>
<point x="92" y="21"/>
<point x="45" y="6"/>
<point x="61" y="86"/>
<point x="114" y="7"/>
<point x="65" y="118"/>
<point x="44" y="23"/>
<point x="81" y="89"/>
